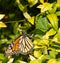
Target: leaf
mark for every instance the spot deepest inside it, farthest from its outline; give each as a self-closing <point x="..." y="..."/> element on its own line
<point x="15" y="27"/>
<point x="26" y="15"/>
<point x="1" y="61"/>
<point x="1" y="16"/>
<point x="22" y="62"/>
<point x="10" y="60"/>
<point x="53" y="53"/>
<point x="21" y="7"/>
<point x="36" y="61"/>
<point x="52" y="61"/>
<point x="32" y="2"/>
<point x="58" y="13"/>
<point x="51" y="32"/>
<point x="38" y="33"/>
<point x="45" y="6"/>
<point x="57" y="36"/>
<point x="53" y="9"/>
<point x="37" y="53"/>
<point x="2" y="57"/>
<point x="42" y="24"/>
<point x="2" y="24"/>
<point x="42" y="1"/>
<point x="53" y="20"/>
<point x="58" y="3"/>
<point x="31" y="20"/>
<point x="43" y="41"/>
<point x="32" y="57"/>
<point x="11" y="15"/>
<point x="48" y="57"/>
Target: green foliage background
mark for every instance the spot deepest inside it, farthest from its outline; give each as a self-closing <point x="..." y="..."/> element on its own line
<point x="40" y="19"/>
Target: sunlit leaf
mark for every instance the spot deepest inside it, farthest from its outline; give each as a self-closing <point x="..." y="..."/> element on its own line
<point x="21" y="7"/>
<point x="2" y="57"/>
<point x="10" y="60"/>
<point x="32" y="57"/>
<point x="1" y="16"/>
<point x="42" y="1"/>
<point x="58" y="13"/>
<point x="37" y="53"/>
<point x="58" y="3"/>
<point x="26" y="15"/>
<point x="31" y="20"/>
<point x="1" y="62"/>
<point x="22" y="62"/>
<point x="52" y="61"/>
<point x="51" y="32"/>
<point x="43" y="41"/>
<point x="2" y="24"/>
<point x="32" y="2"/>
<point x="36" y="61"/>
<point x="53" y="9"/>
<point x="35" y="42"/>
<point x="53" y="20"/>
<point x="57" y="36"/>
<point x="53" y="53"/>
<point x="48" y="57"/>
<point x="37" y="47"/>
<point x="45" y="6"/>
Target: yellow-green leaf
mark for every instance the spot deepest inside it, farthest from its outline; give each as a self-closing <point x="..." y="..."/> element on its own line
<point x="58" y="3"/>
<point x="42" y="1"/>
<point x="51" y="32"/>
<point x="2" y="57"/>
<point x="32" y="2"/>
<point x="10" y="60"/>
<point x="1" y="61"/>
<point x="43" y="41"/>
<point x="36" y="61"/>
<point x="26" y="15"/>
<point x="22" y="62"/>
<point x="35" y="42"/>
<point x="37" y="53"/>
<point x="21" y="7"/>
<point x="32" y="57"/>
<point x="52" y="61"/>
<point x="45" y="6"/>
<point x="57" y="36"/>
<point x="31" y="20"/>
<point x="53" y="20"/>
<point x="58" y="13"/>
<point x="2" y="24"/>
<point x="1" y="16"/>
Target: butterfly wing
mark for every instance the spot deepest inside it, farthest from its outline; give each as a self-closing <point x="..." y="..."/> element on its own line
<point x="26" y="46"/>
<point x="13" y="47"/>
<point x="21" y="45"/>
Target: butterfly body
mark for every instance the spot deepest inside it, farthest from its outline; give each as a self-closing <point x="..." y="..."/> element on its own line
<point x="22" y="45"/>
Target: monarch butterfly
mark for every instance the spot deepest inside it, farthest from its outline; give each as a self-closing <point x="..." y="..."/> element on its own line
<point x="22" y="45"/>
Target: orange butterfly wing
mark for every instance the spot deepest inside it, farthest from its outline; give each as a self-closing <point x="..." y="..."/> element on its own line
<point x="21" y="45"/>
